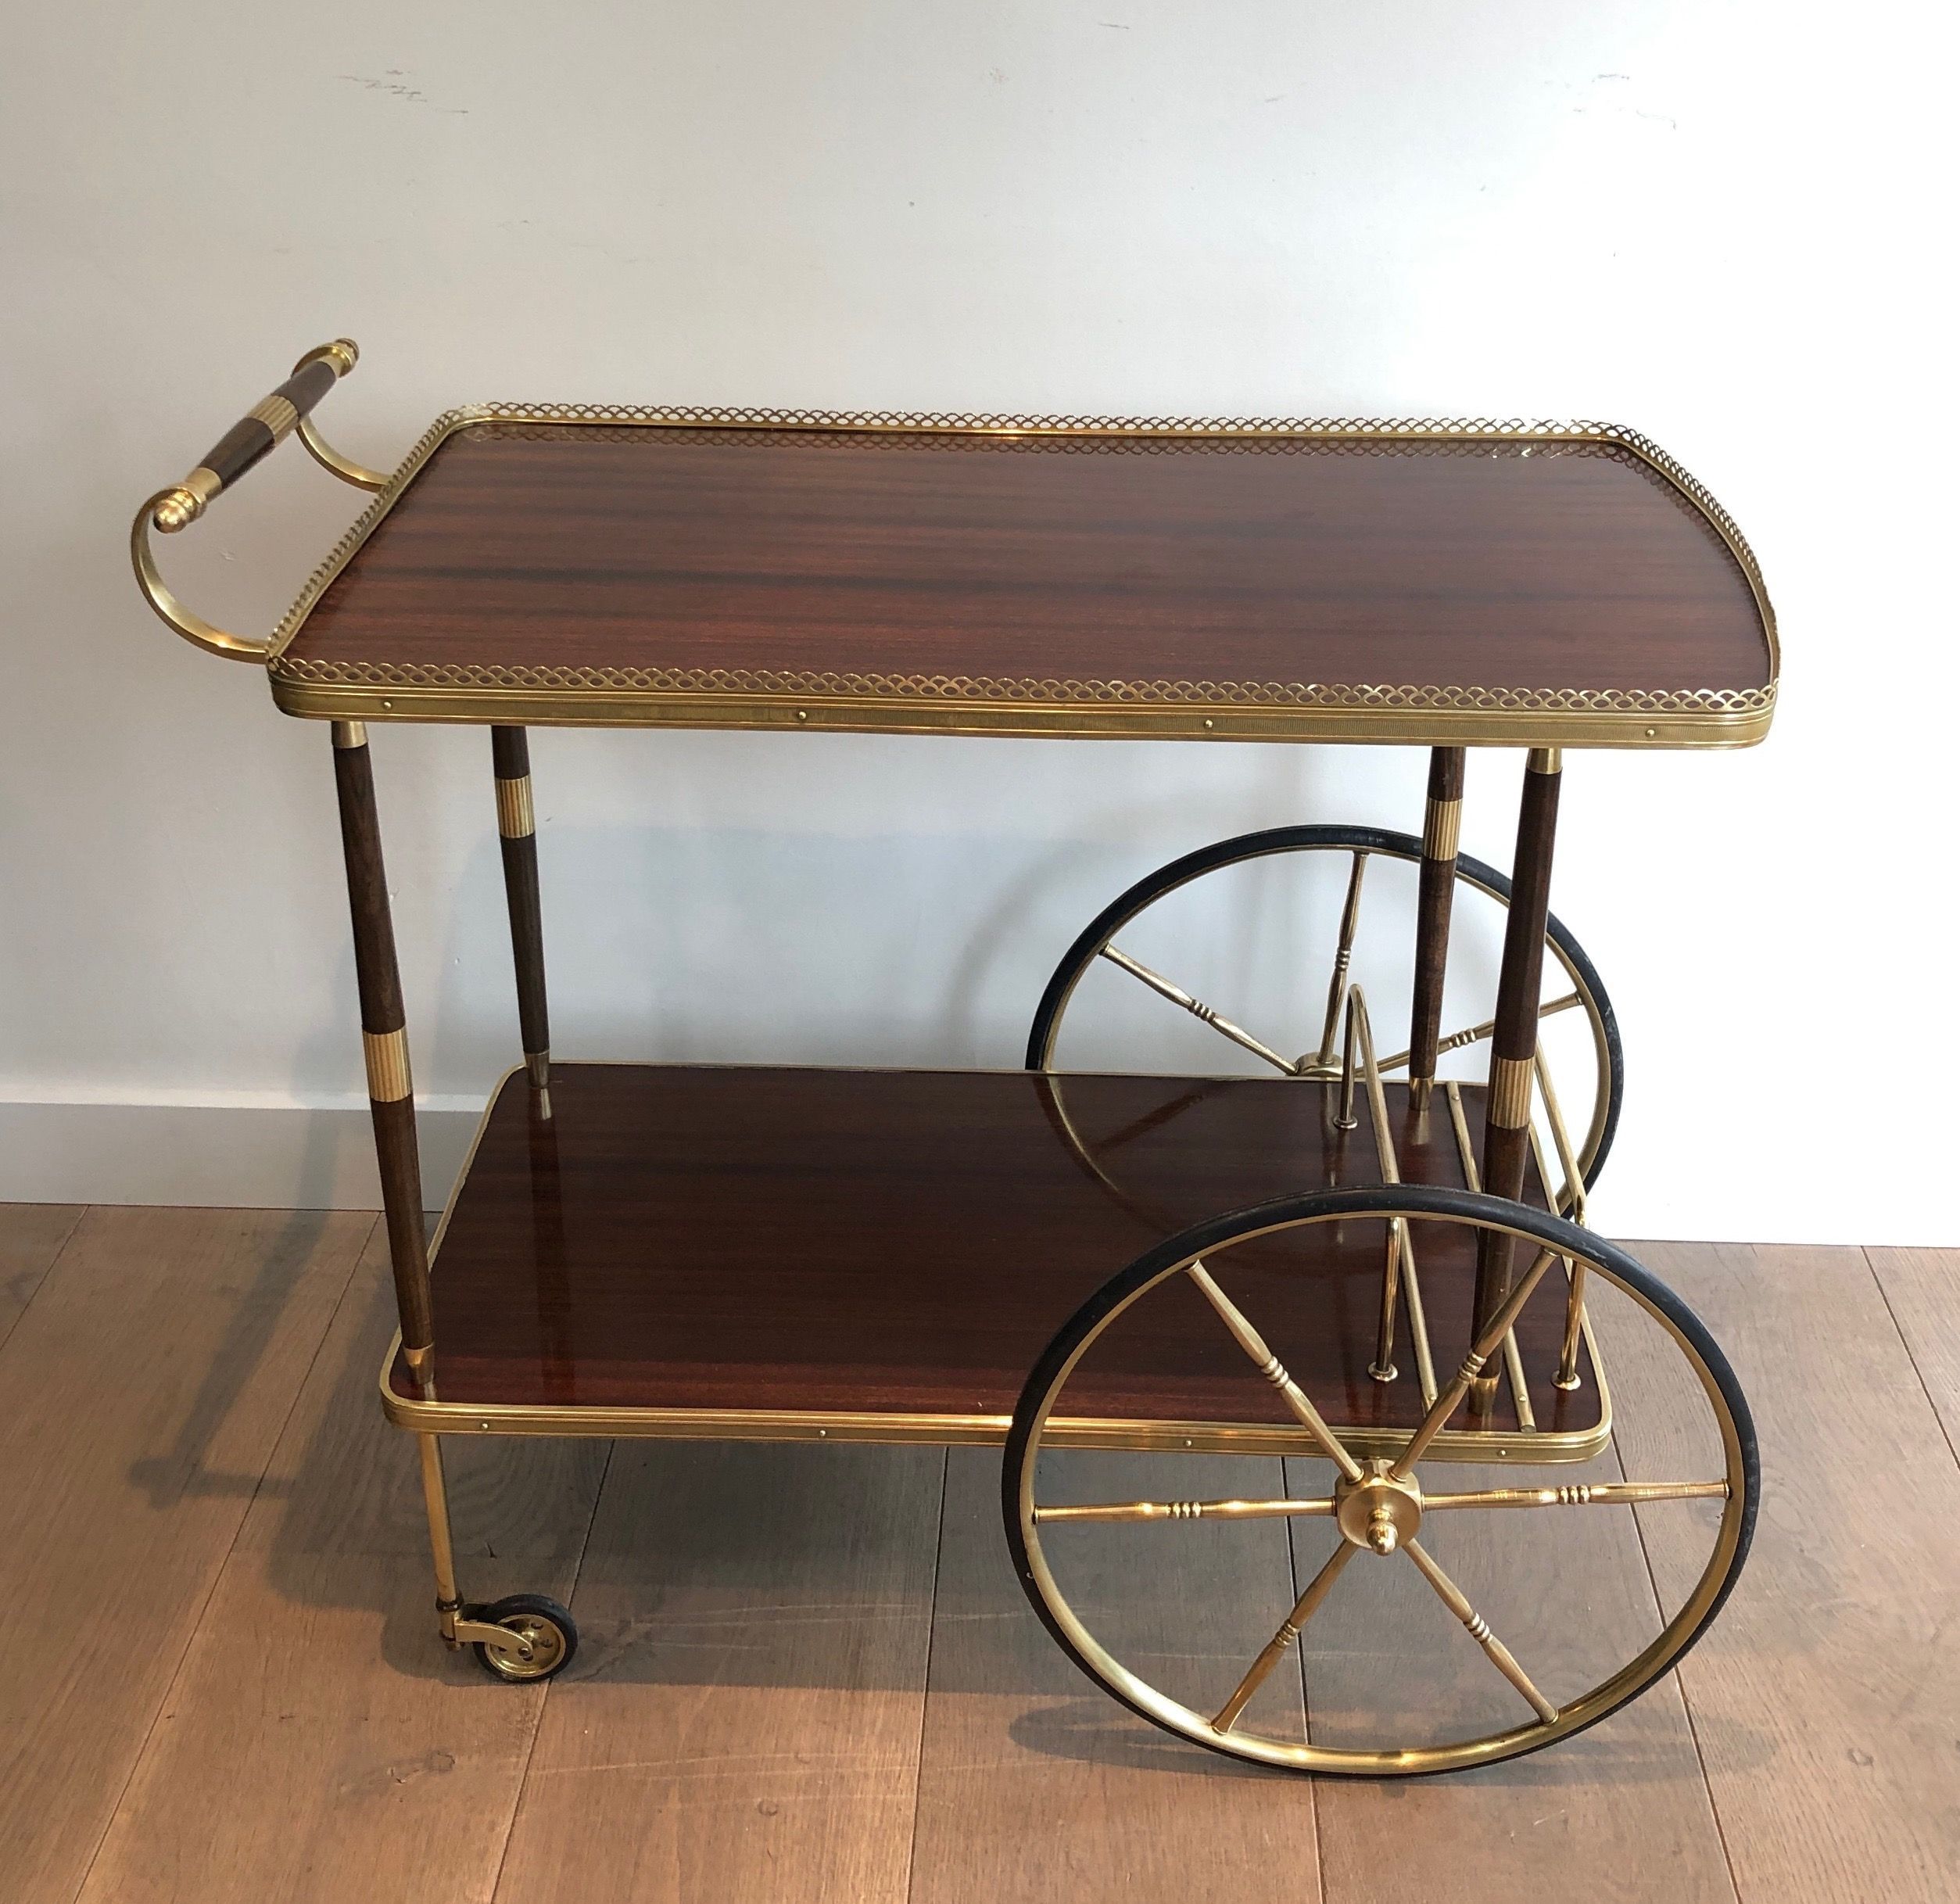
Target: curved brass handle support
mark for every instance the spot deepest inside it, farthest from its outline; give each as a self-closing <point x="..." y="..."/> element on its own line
<point x="248" y="440"/>
<point x="315" y="445"/>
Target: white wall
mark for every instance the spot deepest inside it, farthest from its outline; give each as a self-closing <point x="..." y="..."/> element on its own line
<point x="1724" y="225"/>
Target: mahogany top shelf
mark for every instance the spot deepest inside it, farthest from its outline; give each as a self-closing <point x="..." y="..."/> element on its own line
<point x="1547" y="585"/>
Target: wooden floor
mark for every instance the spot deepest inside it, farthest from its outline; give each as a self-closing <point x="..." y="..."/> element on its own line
<point x="806" y="1672"/>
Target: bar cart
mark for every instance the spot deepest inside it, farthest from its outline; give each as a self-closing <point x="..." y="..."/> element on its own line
<point x="1060" y="1259"/>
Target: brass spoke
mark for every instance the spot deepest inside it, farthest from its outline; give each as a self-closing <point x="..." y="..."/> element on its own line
<point x="1184" y="1511"/>
<point x="1268" y="1364"/>
<point x="1303" y="1611"/>
<point x="1582" y="1494"/>
<point x="1343" y="953"/>
<point x="1521" y="1390"/>
<point x="1471" y="1034"/>
<point x="1198" y="1009"/>
<point x="1447" y="1401"/>
<point x="1418" y="1321"/>
<point x="1478" y="1628"/>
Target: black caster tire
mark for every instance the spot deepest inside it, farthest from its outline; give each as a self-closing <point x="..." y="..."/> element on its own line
<point x="543" y="1636"/>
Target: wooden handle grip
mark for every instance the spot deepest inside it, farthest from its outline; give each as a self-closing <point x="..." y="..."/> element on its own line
<point x="254" y="434"/>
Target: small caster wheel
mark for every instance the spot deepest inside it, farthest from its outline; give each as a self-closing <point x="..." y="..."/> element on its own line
<point x="542" y="1638"/>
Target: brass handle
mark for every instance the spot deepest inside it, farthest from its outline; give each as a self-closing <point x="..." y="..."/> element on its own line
<point x="253" y="437"/>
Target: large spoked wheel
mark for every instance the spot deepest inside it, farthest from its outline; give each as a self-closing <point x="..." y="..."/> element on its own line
<point x="1579" y="1586"/>
<point x="1277" y="881"/>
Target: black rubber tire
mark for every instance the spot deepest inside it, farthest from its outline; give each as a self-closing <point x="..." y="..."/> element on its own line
<point x="533" y="1606"/>
<point x="1167" y="878"/>
<point x="1376" y="1201"/>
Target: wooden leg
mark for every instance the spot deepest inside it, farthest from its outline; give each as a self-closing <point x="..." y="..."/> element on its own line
<point x="1440" y="826"/>
<point x="390" y="1092"/>
<point x="516" y="822"/>
<point x="1514" y="1039"/>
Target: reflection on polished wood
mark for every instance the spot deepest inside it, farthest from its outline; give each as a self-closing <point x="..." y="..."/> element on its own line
<point x="907" y="1242"/>
<point x="568" y="546"/>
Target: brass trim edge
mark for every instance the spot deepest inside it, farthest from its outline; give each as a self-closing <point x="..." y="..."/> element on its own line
<point x="296" y="694"/>
<point x="1031" y="692"/>
<point x="902" y="1427"/>
<point x="387" y="1056"/>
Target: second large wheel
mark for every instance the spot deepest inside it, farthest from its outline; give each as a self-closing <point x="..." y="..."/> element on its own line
<point x="1253" y="937"/>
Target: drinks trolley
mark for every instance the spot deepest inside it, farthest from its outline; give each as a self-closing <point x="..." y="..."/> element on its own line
<point x="1059" y="1258"/>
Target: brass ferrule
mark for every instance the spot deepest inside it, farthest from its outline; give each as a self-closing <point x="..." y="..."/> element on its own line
<point x="1441" y="825"/>
<point x="1510" y="1092"/>
<point x="537" y="1068"/>
<point x="387" y="1055"/>
<point x="350" y="734"/>
<point x="186" y="502"/>
<point x="277" y="414"/>
<point x="1544" y="760"/>
<point x="516" y="818"/>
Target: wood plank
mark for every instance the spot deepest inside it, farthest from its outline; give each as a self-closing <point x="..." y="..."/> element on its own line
<point x="1621" y="1813"/>
<point x="141" y="1396"/>
<point x="31" y="1236"/>
<point x="379" y="1765"/>
<point x="742" y="1719"/>
<point x="1033" y="1782"/>
<point x="1922" y="1289"/>
<point x="1825" y="1696"/>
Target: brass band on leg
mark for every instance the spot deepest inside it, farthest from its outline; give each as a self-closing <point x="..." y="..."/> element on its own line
<point x="388" y="1074"/>
<point x="350" y="734"/>
<point x="421" y="1365"/>
<point x="1510" y="1093"/>
<point x="1442" y="822"/>
<point x="516" y="818"/>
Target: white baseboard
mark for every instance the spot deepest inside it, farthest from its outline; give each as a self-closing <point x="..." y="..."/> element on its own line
<point x="273" y="1154"/>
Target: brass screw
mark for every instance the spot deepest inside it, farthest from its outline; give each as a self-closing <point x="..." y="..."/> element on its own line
<point x="1384" y="1536"/>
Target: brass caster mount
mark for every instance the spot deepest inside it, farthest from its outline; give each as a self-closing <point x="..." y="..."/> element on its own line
<point x="522" y="1637"/>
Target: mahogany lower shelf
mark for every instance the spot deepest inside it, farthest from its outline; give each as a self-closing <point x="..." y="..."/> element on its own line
<point x="884" y="1255"/>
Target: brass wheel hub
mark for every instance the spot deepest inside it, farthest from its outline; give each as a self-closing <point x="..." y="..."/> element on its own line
<point x="1376" y="1511"/>
<point x="529" y="1649"/>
